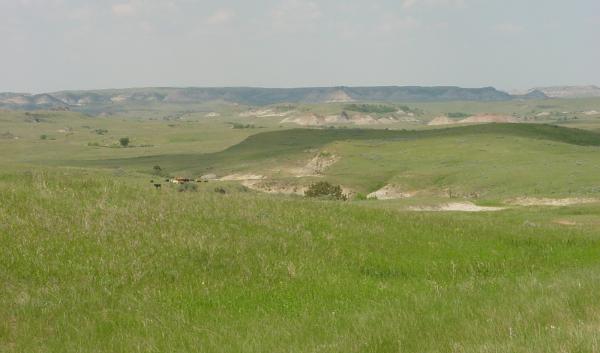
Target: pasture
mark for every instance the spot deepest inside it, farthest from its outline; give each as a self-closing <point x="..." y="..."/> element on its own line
<point x="94" y="258"/>
<point x="92" y="262"/>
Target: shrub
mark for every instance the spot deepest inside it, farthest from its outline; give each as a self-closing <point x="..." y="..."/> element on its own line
<point x="124" y="141"/>
<point x="360" y="197"/>
<point x="325" y="190"/>
<point x="241" y="126"/>
<point x="187" y="187"/>
<point x="43" y="137"/>
<point x="100" y="131"/>
<point x="157" y="170"/>
<point x="220" y="190"/>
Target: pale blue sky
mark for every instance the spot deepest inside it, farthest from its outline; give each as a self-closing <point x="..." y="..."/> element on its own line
<point x="82" y="44"/>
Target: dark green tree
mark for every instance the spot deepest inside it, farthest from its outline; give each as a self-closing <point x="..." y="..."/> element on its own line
<point x="124" y="141"/>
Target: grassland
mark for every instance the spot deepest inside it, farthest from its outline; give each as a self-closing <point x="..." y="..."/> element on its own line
<point x="161" y="129"/>
<point x="494" y="162"/>
<point x="94" y="259"/>
<point x="98" y="264"/>
<point x="73" y="136"/>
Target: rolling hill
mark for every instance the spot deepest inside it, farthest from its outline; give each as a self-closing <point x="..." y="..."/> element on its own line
<point x="427" y="162"/>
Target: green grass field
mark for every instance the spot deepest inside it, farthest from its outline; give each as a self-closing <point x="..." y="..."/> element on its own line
<point x="99" y="264"/>
<point x="94" y="259"/>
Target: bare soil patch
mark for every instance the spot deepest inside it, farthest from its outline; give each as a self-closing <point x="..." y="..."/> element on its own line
<point x="532" y="201"/>
<point x="390" y="192"/>
<point x="476" y="119"/>
<point x="442" y="120"/>
<point x="488" y="118"/>
<point x="242" y="177"/>
<point x="343" y="118"/>
<point x="564" y="222"/>
<point x="456" y="207"/>
<point x="316" y="166"/>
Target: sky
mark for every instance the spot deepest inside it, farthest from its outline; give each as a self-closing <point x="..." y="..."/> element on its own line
<point x="51" y="45"/>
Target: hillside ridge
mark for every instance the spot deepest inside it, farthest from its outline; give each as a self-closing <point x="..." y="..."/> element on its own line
<point x="274" y="144"/>
<point x="81" y="100"/>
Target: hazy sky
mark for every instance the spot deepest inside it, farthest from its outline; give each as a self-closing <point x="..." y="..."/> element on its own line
<point x="51" y="45"/>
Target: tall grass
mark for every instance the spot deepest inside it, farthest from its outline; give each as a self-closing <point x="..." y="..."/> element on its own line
<point x="99" y="264"/>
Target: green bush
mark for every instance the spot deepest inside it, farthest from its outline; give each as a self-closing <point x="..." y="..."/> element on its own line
<point x="157" y="170"/>
<point x="124" y="141"/>
<point x="325" y="190"/>
<point x="187" y="187"/>
<point x="242" y="126"/>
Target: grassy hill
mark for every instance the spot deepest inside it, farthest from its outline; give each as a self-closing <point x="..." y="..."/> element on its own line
<point x="278" y="143"/>
<point x="92" y="262"/>
<point x="490" y="161"/>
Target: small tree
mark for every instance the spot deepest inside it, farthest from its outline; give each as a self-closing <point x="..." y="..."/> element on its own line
<point x="157" y="170"/>
<point x="326" y="190"/>
<point x="124" y="141"/>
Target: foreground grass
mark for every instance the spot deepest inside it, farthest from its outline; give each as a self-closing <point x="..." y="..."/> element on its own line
<point x="97" y="264"/>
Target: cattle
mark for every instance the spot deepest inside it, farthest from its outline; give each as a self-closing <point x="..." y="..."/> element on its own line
<point x="180" y="180"/>
<point x="157" y="186"/>
<point x="177" y="181"/>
